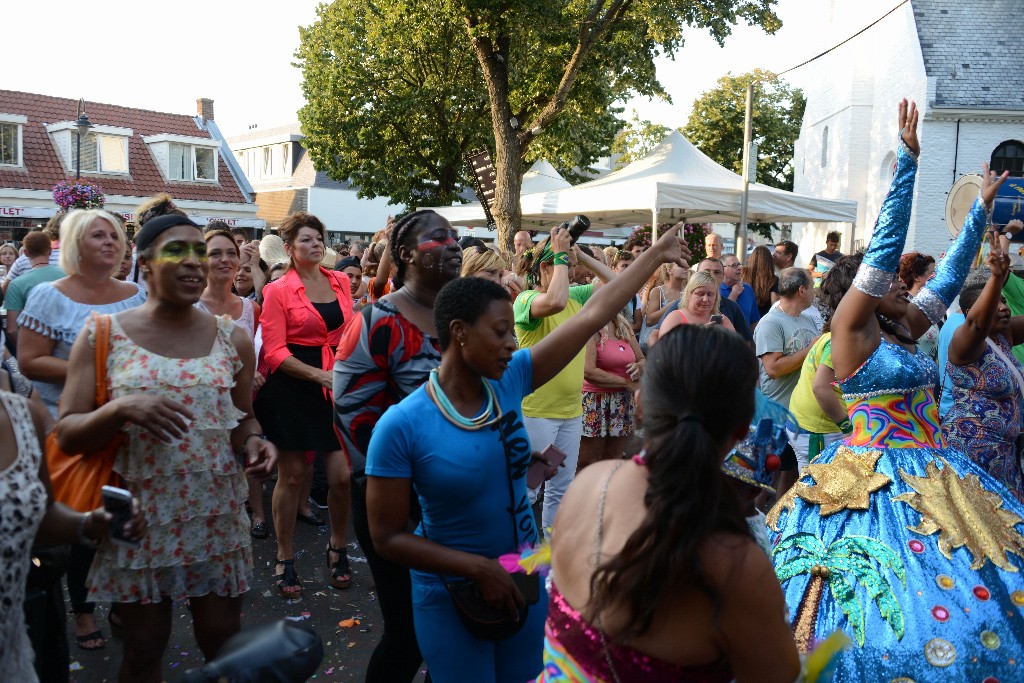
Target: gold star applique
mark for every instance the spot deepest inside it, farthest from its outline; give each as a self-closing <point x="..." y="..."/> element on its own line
<point x="963" y="513"/>
<point x="846" y="483"/>
<point x="787" y="502"/>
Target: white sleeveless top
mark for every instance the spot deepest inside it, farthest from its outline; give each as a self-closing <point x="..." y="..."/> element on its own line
<point x="247" y="321"/>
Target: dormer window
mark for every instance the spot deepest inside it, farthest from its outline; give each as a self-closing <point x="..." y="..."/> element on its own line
<point x="185" y="158"/>
<point x="104" y="148"/>
<point x="10" y="139"/>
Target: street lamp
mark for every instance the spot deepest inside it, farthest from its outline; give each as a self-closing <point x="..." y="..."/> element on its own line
<point x="83" y="125"/>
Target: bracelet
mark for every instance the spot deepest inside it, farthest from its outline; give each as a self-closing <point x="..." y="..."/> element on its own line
<point x="562" y="258"/>
<point x="845" y="426"/>
<point x="82" y="538"/>
<point x="262" y="437"/>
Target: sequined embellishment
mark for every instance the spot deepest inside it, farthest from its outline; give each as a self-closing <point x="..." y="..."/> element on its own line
<point x="902" y="679"/>
<point x="845" y="483"/>
<point x="916" y="546"/>
<point x="1017" y="597"/>
<point x="990" y="679"/>
<point x="873" y="281"/>
<point x="940" y="613"/>
<point x="939" y="652"/>
<point x="944" y="581"/>
<point x="931" y="305"/>
<point x="981" y="593"/>
<point x="990" y="639"/>
<point x="964" y="514"/>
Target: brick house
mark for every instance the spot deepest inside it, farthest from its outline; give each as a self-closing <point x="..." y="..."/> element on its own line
<point x="131" y="153"/>
<point x="958" y="60"/>
<point x="284" y="179"/>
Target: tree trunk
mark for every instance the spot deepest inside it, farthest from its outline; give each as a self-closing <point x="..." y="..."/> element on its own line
<point x="807" y="614"/>
<point x="492" y="54"/>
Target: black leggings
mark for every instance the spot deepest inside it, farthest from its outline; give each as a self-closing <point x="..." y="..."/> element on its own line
<point x="78" y="570"/>
<point x="397" y="656"/>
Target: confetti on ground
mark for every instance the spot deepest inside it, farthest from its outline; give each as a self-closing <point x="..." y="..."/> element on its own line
<point x="348" y="623"/>
<point x="356" y="558"/>
<point x="75" y="666"/>
<point x="267" y="594"/>
<point x="329" y="671"/>
<point x="319" y="593"/>
<point x="351" y="645"/>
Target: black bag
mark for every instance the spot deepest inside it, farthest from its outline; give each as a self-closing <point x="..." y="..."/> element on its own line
<point x="279" y="652"/>
<point x="483" y="621"/>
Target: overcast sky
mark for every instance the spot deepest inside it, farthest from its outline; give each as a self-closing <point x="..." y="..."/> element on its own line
<point x="163" y="56"/>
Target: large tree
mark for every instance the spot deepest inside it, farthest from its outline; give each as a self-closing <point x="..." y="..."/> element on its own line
<point x="636" y="139"/>
<point x="716" y="127"/>
<point x="550" y="75"/>
<point x="393" y="99"/>
<point x="541" y="59"/>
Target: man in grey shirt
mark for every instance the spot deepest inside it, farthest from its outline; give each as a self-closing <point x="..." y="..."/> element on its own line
<point x="783" y="337"/>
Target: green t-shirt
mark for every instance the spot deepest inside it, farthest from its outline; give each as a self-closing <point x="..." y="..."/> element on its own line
<point x="17" y="291"/>
<point x="562" y="396"/>
<point x="803" y="403"/>
<point x="1013" y="290"/>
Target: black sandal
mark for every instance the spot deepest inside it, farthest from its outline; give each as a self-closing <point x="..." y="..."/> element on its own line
<point x="288" y="579"/>
<point x="259" y="530"/>
<point x="89" y="637"/>
<point x="341" y="572"/>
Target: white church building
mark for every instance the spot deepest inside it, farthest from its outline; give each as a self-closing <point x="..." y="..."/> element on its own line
<point x="960" y="60"/>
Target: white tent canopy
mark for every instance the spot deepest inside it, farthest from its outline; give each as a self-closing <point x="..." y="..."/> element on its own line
<point x="674" y="182"/>
<point x="542" y="177"/>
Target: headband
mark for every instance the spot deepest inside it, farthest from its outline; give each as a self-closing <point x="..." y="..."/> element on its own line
<point x="157" y="226"/>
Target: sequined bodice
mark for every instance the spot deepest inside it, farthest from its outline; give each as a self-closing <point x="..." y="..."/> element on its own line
<point x="891" y="400"/>
<point x="891" y="369"/>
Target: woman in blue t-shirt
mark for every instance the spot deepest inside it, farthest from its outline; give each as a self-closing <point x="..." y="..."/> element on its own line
<point x="469" y="473"/>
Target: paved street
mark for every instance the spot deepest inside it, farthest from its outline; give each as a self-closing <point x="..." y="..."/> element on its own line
<point x="346" y="650"/>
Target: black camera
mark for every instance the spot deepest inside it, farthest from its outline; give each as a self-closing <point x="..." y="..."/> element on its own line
<point x="576" y="227"/>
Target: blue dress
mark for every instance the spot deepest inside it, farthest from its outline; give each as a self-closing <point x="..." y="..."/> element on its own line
<point x="904" y="544"/>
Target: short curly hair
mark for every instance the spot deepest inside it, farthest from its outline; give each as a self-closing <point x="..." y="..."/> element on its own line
<point x="464" y="299"/>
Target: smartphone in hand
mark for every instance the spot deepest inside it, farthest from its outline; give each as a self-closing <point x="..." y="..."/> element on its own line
<point x="118" y="502"/>
<point x="551" y="457"/>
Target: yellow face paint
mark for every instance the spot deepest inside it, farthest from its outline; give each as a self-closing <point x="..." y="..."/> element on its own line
<point x="179" y="251"/>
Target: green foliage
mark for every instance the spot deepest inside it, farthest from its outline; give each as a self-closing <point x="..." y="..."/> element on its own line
<point x="394" y="99"/>
<point x="636" y="140"/>
<point x="716" y="127"/>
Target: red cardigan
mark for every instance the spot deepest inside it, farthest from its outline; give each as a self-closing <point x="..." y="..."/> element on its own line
<point x="288" y="317"/>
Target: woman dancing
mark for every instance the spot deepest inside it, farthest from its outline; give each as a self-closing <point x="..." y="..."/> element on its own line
<point x="907" y="546"/>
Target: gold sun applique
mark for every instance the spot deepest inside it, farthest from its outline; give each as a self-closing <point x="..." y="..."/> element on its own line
<point x="963" y="513"/>
<point x="846" y="483"/>
<point x="787" y="502"/>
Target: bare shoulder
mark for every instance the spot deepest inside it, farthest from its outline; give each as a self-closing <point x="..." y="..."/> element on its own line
<point x="731" y="560"/>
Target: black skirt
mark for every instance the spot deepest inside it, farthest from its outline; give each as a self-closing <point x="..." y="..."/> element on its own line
<point x="294" y="413"/>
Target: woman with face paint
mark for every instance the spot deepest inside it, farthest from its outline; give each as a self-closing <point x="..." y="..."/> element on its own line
<point x="92" y="245"/>
<point x="180" y="383"/>
<point x="387" y="352"/>
<point x="302" y="318"/>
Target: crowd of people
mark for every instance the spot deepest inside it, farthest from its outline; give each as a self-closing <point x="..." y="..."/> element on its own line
<point x="793" y="442"/>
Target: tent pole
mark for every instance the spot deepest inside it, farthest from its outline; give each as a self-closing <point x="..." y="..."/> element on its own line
<point x="741" y="237"/>
<point x="654" y="226"/>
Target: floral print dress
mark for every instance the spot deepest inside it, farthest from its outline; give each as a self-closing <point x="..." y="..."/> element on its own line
<point x="191" y="490"/>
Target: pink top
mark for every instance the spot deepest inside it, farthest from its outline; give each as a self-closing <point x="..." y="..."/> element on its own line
<point x="612" y="356"/>
<point x="576" y="652"/>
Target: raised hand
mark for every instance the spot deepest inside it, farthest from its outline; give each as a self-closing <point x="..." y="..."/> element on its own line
<point x="561" y="240"/>
<point x="998" y="261"/>
<point x="990" y="182"/>
<point x="908" y="125"/>
<point x="672" y="248"/>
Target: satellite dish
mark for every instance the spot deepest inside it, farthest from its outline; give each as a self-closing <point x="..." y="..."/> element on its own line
<point x="959" y="201"/>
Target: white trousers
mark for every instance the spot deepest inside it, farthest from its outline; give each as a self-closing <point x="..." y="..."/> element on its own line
<point x="565" y="434"/>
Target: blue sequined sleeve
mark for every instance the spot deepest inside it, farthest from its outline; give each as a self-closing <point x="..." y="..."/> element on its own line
<point x="952" y="270"/>
<point x="882" y="260"/>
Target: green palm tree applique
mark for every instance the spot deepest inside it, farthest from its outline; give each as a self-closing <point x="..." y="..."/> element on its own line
<point x="852" y="557"/>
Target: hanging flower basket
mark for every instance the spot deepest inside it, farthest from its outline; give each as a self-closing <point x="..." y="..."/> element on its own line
<point x="73" y="194"/>
<point x="693" y="234"/>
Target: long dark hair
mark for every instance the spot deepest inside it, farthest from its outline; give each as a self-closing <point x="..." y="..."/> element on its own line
<point x="761" y="275"/>
<point x="687" y="421"/>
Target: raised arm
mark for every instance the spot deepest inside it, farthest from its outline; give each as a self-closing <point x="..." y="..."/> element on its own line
<point x="968" y="341"/>
<point x="855" y="329"/>
<point x="552" y="353"/>
<point x="930" y="304"/>
<point x="603" y="273"/>
<point x="556" y="297"/>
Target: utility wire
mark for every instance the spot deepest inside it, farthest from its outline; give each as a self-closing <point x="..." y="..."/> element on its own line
<point x="845" y="41"/>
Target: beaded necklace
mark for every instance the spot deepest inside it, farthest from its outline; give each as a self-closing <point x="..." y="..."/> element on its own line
<point x="490" y="414"/>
